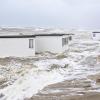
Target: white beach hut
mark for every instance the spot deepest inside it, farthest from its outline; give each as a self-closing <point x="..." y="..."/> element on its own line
<point x="96" y="36"/>
<point x="55" y="43"/>
<point x="17" y="45"/>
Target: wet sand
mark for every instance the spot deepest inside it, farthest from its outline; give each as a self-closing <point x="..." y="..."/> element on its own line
<point x="78" y="89"/>
<point x="91" y="96"/>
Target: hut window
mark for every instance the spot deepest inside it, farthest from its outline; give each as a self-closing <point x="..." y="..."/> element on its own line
<point x="94" y="35"/>
<point x="70" y="38"/>
<point x="64" y="41"/>
<point x="31" y="44"/>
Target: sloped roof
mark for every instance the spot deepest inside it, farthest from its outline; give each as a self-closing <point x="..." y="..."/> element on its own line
<point x="53" y="34"/>
<point x="30" y="36"/>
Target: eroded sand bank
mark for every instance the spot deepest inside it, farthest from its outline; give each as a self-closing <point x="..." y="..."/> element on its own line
<point x="79" y="89"/>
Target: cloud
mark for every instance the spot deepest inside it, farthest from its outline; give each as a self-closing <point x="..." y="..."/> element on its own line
<point x="67" y="13"/>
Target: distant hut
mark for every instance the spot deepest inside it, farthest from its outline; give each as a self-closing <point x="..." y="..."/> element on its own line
<point x="96" y="36"/>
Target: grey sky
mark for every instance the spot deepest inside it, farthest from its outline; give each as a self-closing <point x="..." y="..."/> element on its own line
<point x="58" y="13"/>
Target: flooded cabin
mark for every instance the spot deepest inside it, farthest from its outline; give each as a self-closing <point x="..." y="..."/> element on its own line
<point x="96" y="36"/>
<point x="55" y="43"/>
<point x="17" y="45"/>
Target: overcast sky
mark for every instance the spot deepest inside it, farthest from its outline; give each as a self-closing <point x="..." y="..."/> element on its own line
<point x="51" y="13"/>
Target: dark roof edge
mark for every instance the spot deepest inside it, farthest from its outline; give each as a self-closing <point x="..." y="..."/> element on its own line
<point x="95" y="32"/>
<point x="52" y="34"/>
<point x="18" y="36"/>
